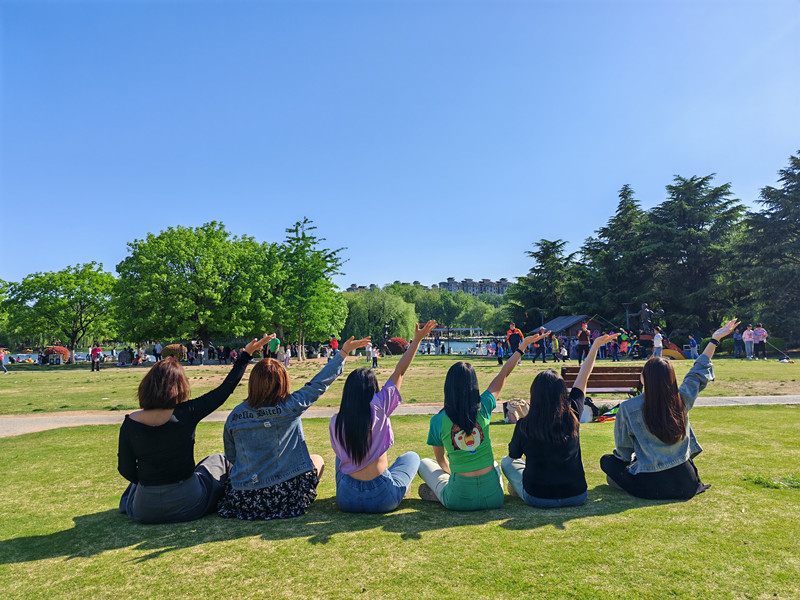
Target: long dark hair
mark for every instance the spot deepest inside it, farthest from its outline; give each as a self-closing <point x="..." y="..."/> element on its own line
<point x="550" y="418"/>
<point x="663" y="410"/>
<point x="461" y="396"/>
<point x="354" y="422"/>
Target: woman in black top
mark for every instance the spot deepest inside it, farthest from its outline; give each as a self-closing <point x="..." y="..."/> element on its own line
<point x="156" y="445"/>
<point x="551" y="475"/>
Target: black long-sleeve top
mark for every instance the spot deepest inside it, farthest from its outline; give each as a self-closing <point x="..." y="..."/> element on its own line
<point x="164" y="454"/>
<point x="551" y="470"/>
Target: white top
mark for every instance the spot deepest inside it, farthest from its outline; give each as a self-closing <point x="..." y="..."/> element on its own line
<point x="657" y="341"/>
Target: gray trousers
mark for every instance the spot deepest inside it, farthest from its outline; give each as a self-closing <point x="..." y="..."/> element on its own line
<point x="186" y="500"/>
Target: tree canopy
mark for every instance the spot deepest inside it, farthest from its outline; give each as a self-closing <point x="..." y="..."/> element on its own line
<point x="67" y="305"/>
<point x="195" y="283"/>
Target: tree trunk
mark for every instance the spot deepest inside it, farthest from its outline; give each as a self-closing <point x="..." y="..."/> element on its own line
<point x="301" y="342"/>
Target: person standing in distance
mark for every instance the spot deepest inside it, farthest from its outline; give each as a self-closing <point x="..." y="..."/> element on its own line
<point x="658" y="343"/>
<point x="513" y="337"/>
<point x="760" y="336"/>
<point x="541" y="347"/>
<point x="583" y="342"/>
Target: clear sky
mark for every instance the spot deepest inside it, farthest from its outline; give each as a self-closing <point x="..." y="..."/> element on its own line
<point x="431" y="139"/>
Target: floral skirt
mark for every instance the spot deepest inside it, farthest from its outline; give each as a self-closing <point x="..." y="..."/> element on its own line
<point x="283" y="500"/>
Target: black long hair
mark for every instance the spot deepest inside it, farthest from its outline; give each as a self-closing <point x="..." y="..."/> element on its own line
<point x="354" y="422"/>
<point x="461" y="396"/>
<point x="550" y="418"/>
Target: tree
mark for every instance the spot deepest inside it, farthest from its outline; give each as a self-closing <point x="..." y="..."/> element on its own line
<point x="544" y="290"/>
<point x="369" y="311"/>
<point x="770" y="253"/>
<point x="67" y="304"/>
<point x="196" y="283"/>
<point x="687" y="248"/>
<point x="614" y="265"/>
<point x="312" y="306"/>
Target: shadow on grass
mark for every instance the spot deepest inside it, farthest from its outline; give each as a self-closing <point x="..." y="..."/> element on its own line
<point x="110" y="530"/>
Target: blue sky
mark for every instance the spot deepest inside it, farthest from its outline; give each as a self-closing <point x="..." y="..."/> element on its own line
<point x="431" y="139"/>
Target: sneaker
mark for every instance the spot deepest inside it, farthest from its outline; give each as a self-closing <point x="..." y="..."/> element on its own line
<point x="426" y="493"/>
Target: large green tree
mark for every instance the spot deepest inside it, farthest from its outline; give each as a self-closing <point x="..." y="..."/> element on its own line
<point x="614" y="268"/>
<point x="68" y="304"/>
<point x="311" y="305"/>
<point x="687" y="244"/>
<point x="770" y="255"/>
<point x="196" y="283"/>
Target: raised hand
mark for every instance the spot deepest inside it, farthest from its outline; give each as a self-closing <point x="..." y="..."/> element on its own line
<point x="726" y="329"/>
<point x="604" y="339"/>
<point x="422" y="332"/>
<point x="256" y="344"/>
<point x="354" y="344"/>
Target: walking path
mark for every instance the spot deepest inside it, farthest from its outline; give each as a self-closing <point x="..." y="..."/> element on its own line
<point x="11" y="425"/>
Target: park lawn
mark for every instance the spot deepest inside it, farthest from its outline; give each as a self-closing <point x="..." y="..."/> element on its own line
<point x="31" y="389"/>
<point x="62" y="537"/>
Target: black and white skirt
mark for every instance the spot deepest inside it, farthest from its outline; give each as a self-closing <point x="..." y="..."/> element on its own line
<point x="285" y="500"/>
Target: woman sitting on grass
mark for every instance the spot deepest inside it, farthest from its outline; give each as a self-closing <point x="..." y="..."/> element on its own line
<point x="156" y="445"/>
<point x="462" y="430"/>
<point x="361" y="433"/>
<point x="654" y="441"/>
<point x="551" y="475"/>
<point x="273" y="476"/>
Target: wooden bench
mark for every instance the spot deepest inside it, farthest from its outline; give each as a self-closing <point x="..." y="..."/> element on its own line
<point x="608" y="380"/>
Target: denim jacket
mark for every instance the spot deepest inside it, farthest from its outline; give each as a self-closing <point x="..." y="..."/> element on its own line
<point x="266" y="445"/>
<point x="635" y="442"/>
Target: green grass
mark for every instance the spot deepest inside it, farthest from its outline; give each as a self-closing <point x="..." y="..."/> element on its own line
<point x="29" y="389"/>
<point x="62" y="537"/>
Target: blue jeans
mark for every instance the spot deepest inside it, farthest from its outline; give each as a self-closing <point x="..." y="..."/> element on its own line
<point x="382" y="494"/>
<point x="657" y="350"/>
<point x="513" y="469"/>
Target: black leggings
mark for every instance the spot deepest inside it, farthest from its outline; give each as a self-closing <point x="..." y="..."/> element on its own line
<point x="678" y="483"/>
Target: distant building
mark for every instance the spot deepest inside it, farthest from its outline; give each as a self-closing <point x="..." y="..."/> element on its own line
<point x="474" y="288"/>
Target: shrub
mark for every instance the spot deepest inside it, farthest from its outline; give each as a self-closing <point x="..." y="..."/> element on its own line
<point x="397" y="345"/>
<point x="61" y="350"/>
<point x="176" y="350"/>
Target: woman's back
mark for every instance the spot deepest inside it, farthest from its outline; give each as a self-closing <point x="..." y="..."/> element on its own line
<point x="553" y="469"/>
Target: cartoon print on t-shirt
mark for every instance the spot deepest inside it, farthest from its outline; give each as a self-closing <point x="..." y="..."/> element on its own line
<point x="464" y="441"/>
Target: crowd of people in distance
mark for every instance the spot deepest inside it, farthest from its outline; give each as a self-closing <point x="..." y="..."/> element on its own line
<point x="268" y="472"/>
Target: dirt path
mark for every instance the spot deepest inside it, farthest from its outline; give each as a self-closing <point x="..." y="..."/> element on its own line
<point x="11" y="425"/>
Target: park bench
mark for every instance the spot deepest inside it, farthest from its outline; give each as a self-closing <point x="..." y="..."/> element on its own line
<point x="608" y="380"/>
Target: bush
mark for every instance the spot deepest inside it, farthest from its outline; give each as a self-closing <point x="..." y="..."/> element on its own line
<point x="176" y="350"/>
<point x="397" y="345"/>
<point x="61" y="350"/>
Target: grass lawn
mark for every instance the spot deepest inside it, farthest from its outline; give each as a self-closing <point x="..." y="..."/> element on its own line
<point x="29" y="389"/>
<point x="62" y="537"/>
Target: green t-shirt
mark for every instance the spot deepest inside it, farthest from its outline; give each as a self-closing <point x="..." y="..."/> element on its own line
<point x="273" y="344"/>
<point x="466" y="452"/>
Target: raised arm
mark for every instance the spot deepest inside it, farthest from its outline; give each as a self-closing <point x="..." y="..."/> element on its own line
<point x="702" y="370"/>
<point x="588" y="363"/>
<point x="207" y="403"/>
<point x="720" y="333"/>
<point x="300" y="400"/>
<point x="420" y="333"/>
<point x="498" y="382"/>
